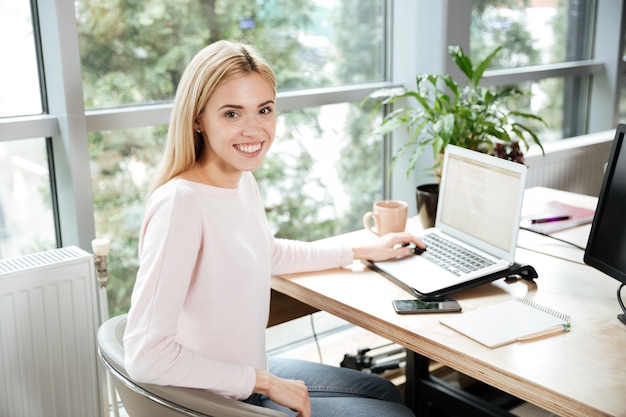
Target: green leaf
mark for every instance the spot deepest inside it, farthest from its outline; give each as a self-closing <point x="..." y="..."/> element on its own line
<point x="482" y="66"/>
<point x="529" y="116"/>
<point x="532" y="135"/>
<point x="462" y="61"/>
<point x="451" y="84"/>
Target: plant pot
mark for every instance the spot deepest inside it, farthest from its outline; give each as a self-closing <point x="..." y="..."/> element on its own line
<point x="427" y="196"/>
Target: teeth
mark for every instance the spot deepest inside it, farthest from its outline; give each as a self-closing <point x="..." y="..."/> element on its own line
<point x="252" y="148"/>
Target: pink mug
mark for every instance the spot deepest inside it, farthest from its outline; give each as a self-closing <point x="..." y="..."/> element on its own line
<point x="389" y="216"/>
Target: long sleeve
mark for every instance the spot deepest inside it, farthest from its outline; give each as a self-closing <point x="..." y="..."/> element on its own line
<point x="291" y="256"/>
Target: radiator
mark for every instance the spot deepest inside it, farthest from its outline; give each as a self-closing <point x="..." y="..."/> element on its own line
<point x="48" y="323"/>
<point x="575" y="165"/>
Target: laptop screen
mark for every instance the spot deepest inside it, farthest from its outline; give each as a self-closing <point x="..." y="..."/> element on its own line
<point x="481" y="198"/>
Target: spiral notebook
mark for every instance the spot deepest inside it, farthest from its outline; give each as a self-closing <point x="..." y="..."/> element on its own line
<point x="515" y="320"/>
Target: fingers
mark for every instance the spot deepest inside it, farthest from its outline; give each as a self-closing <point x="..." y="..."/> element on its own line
<point x="292" y="394"/>
<point x="392" y="245"/>
<point x="404" y="239"/>
<point x="404" y="244"/>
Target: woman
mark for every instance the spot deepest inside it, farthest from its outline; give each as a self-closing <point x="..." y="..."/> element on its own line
<point x="201" y="299"/>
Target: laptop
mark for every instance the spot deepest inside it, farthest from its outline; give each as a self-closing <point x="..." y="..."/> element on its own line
<point x="479" y="209"/>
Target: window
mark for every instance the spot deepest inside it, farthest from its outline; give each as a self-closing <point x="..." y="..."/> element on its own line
<point x="540" y="33"/>
<point x="26" y="219"/>
<point x="532" y="33"/>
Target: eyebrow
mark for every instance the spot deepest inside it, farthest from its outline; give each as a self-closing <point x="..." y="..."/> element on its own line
<point x="237" y="106"/>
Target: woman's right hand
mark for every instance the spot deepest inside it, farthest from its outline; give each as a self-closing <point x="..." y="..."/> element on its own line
<point x="290" y="393"/>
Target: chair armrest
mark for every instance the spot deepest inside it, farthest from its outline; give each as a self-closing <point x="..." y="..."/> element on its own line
<point x="210" y="403"/>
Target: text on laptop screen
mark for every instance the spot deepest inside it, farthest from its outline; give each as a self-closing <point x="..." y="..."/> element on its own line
<point x="481" y="200"/>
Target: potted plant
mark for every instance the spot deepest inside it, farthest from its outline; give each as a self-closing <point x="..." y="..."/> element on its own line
<point x="468" y="115"/>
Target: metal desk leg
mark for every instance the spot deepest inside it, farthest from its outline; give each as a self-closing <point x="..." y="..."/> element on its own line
<point x="427" y="395"/>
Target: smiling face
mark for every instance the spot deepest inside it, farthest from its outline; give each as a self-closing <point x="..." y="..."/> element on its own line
<point x="238" y="124"/>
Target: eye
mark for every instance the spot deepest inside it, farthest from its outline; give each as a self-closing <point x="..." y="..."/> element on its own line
<point x="230" y="114"/>
<point x="266" y="110"/>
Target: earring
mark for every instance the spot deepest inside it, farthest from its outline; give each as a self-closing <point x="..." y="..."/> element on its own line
<point x="198" y="131"/>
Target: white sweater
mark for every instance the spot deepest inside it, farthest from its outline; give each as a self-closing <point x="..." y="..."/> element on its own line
<point x="201" y="299"/>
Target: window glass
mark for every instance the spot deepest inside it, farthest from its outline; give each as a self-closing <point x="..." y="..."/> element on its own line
<point x="545" y="98"/>
<point x="322" y="173"/>
<point x="26" y="220"/>
<point x="122" y="162"/>
<point x="532" y="33"/>
<point x="19" y="81"/>
<point x="135" y="52"/>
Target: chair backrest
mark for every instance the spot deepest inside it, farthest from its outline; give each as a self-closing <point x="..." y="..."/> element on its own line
<point x="148" y="400"/>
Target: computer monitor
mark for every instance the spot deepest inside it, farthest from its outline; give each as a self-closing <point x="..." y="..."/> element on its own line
<point x="606" y="247"/>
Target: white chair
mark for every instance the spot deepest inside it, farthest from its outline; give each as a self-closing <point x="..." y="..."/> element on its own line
<point x="148" y="400"/>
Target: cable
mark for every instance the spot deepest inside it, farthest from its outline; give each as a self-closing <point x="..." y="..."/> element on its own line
<point x="555" y="238"/>
<point x="317" y="342"/>
<point x="621" y="317"/>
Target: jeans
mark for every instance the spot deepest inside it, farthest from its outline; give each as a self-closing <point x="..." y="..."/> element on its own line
<point x="337" y="392"/>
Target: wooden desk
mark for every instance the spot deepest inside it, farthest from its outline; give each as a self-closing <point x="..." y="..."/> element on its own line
<point x="284" y="308"/>
<point x="579" y="373"/>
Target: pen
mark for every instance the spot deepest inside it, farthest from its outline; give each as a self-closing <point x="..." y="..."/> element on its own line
<point x="549" y="219"/>
<point x="556" y="329"/>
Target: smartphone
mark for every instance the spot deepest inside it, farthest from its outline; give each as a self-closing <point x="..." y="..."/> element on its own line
<point x="445" y="305"/>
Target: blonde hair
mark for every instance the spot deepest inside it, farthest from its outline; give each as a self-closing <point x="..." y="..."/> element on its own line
<point x="211" y="67"/>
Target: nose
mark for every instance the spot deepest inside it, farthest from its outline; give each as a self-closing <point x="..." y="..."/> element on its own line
<point x="250" y="132"/>
<point x="250" y="128"/>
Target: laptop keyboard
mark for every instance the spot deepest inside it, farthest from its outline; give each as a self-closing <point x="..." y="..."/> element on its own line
<point x="451" y="256"/>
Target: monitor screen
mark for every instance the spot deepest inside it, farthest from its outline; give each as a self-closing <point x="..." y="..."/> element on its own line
<point x="606" y="247"/>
